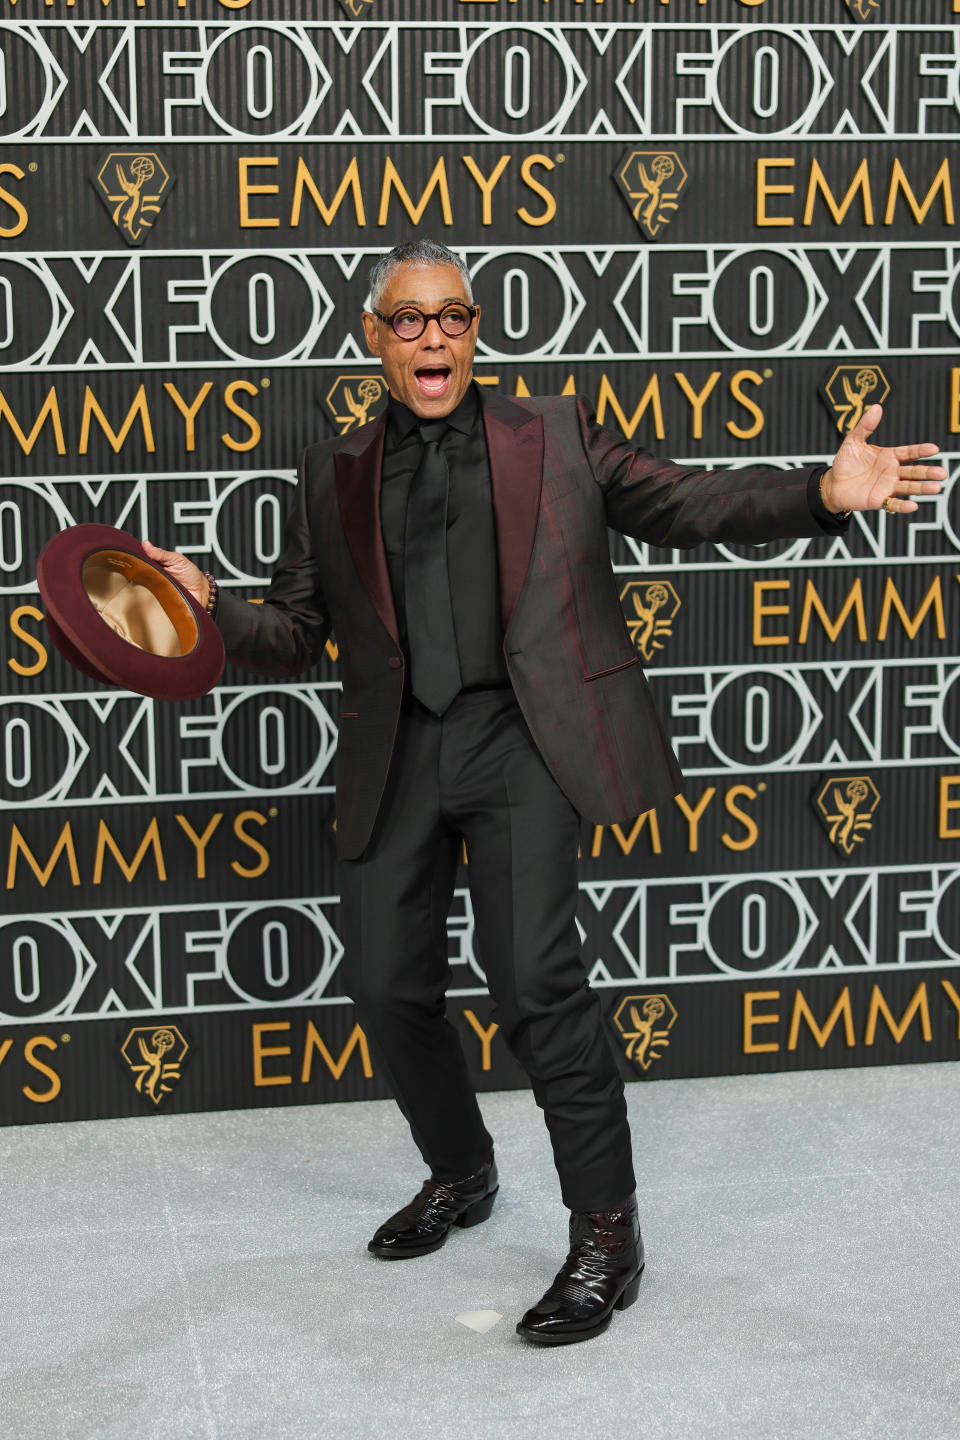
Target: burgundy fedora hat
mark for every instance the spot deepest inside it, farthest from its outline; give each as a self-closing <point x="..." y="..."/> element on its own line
<point x="121" y="619"/>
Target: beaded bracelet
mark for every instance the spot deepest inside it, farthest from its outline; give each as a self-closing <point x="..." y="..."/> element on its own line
<point x="211" y="604"/>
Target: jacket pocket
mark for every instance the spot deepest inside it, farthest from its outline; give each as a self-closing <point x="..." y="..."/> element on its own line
<point x="349" y="715"/>
<point x="613" y="669"/>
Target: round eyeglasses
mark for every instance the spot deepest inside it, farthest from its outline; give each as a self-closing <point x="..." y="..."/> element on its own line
<point x="408" y="324"/>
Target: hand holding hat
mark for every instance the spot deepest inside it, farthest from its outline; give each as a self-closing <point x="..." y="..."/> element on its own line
<point x="130" y="614"/>
<point x="187" y="575"/>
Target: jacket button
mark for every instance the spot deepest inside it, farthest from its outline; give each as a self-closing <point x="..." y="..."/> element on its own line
<point x="394" y="662"/>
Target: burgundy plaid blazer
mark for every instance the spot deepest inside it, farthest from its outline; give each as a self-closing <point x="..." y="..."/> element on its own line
<point x="558" y="480"/>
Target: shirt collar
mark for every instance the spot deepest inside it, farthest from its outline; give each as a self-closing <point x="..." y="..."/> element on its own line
<point x="463" y="419"/>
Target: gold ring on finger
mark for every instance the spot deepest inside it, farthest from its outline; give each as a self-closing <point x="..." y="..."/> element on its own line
<point x="886" y="506"/>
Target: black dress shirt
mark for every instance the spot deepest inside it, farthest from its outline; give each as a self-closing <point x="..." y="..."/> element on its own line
<point x="471" y="537"/>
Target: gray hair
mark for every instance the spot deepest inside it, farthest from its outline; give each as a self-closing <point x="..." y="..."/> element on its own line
<point x="414" y="252"/>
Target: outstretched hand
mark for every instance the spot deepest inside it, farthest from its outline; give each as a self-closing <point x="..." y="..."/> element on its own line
<point x="181" y="569"/>
<point x="872" y="477"/>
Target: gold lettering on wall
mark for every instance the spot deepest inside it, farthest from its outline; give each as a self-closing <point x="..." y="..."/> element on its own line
<point x="11" y="200"/>
<point x="148" y="846"/>
<point x="313" y="1043"/>
<point x="136" y="427"/>
<point x="484" y="1034"/>
<point x="835" y="194"/>
<point x="758" y="1012"/>
<point x="892" y="607"/>
<point x="262" y="202"/>
<point x="17" y="617"/>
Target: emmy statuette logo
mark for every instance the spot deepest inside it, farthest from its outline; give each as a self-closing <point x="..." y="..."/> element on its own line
<point x="356" y="9"/>
<point x="133" y="185"/>
<point x="863" y="9"/>
<point x="155" y="1053"/>
<point x="846" y="805"/>
<point x="650" y="181"/>
<point x="354" y="399"/>
<point x="645" y="1022"/>
<point x="651" y="607"/>
<point x="850" y="390"/>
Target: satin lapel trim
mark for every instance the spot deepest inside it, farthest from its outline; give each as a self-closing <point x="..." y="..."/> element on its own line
<point x="515" y="452"/>
<point x="357" y="473"/>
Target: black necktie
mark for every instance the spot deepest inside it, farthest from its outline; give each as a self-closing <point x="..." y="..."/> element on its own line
<point x="434" y="662"/>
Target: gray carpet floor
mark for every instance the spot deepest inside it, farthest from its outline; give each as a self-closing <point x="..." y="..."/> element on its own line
<point x="206" y="1275"/>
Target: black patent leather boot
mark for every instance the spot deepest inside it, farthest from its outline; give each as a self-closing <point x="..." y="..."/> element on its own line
<point x="424" y="1224"/>
<point x="601" y="1274"/>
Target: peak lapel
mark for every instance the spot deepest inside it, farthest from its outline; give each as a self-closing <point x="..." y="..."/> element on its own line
<point x="357" y="468"/>
<point x="515" y="449"/>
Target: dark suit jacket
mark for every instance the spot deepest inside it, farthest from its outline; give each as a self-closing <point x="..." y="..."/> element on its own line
<point x="558" y="480"/>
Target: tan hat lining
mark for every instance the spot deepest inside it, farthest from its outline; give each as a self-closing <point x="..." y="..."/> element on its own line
<point x="139" y="603"/>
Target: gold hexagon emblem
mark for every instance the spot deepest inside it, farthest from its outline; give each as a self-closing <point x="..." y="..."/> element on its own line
<point x="650" y="181"/>
<point x="851" y="389"/>
<point x="846" y="805"/>
<point x="650" y="607"/>
<point x="133" y="185"/>
<point x="645" y="1022"/>
<point x="155" y="1054"/>
<point x="354" y="399"/>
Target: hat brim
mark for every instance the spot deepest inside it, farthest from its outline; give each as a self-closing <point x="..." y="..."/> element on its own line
<point x="88" y="642"/>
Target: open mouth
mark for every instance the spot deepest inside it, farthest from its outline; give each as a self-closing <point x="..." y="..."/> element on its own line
<point x="433" y="381"/>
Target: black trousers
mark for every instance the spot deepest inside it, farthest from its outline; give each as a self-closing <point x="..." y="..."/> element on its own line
<point x="477" y="774"/>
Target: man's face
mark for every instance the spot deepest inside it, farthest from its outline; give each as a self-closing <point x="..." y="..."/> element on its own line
<point x="430" y="374"/>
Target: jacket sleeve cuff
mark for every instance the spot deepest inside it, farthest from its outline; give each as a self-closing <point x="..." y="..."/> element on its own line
<point x="830" y="522"/>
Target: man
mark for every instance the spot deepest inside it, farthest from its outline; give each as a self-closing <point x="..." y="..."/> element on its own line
<point x="457" y="547"/>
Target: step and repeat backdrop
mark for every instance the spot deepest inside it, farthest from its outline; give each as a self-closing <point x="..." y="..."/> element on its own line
<point x="730" y="223"/>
